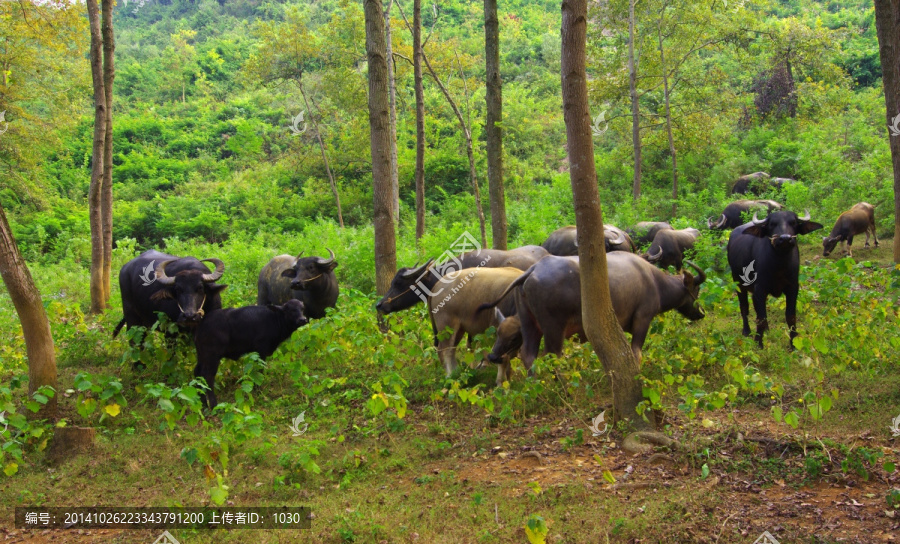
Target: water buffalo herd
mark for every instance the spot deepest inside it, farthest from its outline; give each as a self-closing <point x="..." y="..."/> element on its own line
<point x="528" y="293"/>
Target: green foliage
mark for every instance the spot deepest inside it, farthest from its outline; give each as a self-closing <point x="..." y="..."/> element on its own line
<point x="98" y="391"/>
<point x="21" y="435"/>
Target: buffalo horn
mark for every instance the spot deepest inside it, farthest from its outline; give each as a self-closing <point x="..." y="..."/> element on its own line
<point x="326" y="262"/>
<point x="757" y="221"/>
<point x="655" y="258"/>
<point x="619" y="240"/>
<point x="220" y="269"/>
<point x="418" y="271"/>
<point x="721" y="222"/>
<point x="701" y="276"/>
<point x="161" y="274"/>
<point x="298" y="255"/>
<point x="805" y="216"/>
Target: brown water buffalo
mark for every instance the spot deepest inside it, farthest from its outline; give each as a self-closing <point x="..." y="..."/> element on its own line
<point x="563" y="243"/>
<point x="548" y="302"/>
<point x="412" y="285"/>
<point x="311" y="280"/>
<point x="732" y="216"/>
<point x="644" y="232"/>
<point x="857" y="220"/>
<point x="754" y="183"/>
<point x="669" y="245"/>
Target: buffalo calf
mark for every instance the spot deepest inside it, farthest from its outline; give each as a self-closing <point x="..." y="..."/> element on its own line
<point x="857" y="220"/>
<point x="233" y="332"/>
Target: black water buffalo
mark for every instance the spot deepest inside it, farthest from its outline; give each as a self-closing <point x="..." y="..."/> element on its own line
<point x="778" y="183"/>
<point x="644" y="232"/>
<point x="563" y="243"/>
<point x="412" y="285"/>
<point x="669" y="245"/>
<point x="754" y="183"/>
<point x="765" y="260"/>
<point x="548" y="302"/>
<point x="183" y="288"/>
<point x="310" y="280"/>
<point x="732" y="216"/>
<point x="857" y="220"/>
<point x="233" y="332"/>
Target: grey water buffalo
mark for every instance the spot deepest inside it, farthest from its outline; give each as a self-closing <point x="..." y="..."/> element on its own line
<point x="411" y="285"/>
<point x="669" y="245"/>
<point x="765" y="260"/>
<point x="183" y="288"/>
<point x="233" y="332"/>
<point x="732" y="215"/>
<point x="548" y="303"/>
<point x="754" y="183"/>
<point x="644" y="232"/>
<point x="310" y="280"/>
<point x="563" y="241"/>
<point x="779" y="183"/>
<point x="857" y="220"/>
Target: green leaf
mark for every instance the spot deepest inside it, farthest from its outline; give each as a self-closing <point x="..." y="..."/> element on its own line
<point x="776" y="413"/>
<point x="166" y="405"/>
<point x="820" y="345"/>
<point x="536" y="529"/>
<point x="218" y="494"/>
<point x="10" y="469"/>
<point x="889" y="467"/>
<point x="608" y="476"/>
<point x="704" y="471"/>
<point x="112" y="409"/>
<point x="792" y="419"/>
<point x="189" y="455"/>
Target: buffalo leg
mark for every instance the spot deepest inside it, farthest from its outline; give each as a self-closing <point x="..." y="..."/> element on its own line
<point x="762" y="323"/>
<point x="531" y="340"/>
<point x="790" y="314"/>
<point x="850" y="246"/>
<point x="637" y="342"/>
<point x="504" y="369"/>
<point x="207" y="367"/>
<point x="447" y="350"/>
<point x="745" y="311"/>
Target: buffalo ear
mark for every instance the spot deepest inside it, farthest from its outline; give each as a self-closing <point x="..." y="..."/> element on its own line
<point x="162" y="294"/>
<point x="757" y="230"/>
<point x="688" y="280"/>
<point x="806" y="227"/>
<point x="216" y="288"/>
<point x="289" y="273"/>
<point x="331" y="266"/>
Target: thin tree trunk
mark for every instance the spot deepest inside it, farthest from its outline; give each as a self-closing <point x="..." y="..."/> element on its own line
<point x="35" y="327"/>
<point x="380" y="135"/>
<point x="600" y="323"/>
<point x="106" y="195"/>
<point x="493" y="130"/>
<point x="95" y="192"/>
<point x="665" y="76"/>
<point x="635" y="107"/>
<point x="392" y="86"/>
<point x="420" y="119"/>
<point x="334" y="189"/>
<point x="469" y="150"/>
<point x="887" y="22"/>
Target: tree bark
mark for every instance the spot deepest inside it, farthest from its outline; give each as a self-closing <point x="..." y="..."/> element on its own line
<point x="600" y="323"/>
<point x="493" y="130"/>
<point x="635" y="107"/>
<point x="665" y="77"/>
<point x="420" y="119"/>
<point x="334" y="189"/>
<point x="95" y="192"/>
<point x="887" y="23"/>
<point x="380" y="135"/>
<point x="106" y="195"/>
<point x="392" y="86"/>
<point x="30" y="309"/>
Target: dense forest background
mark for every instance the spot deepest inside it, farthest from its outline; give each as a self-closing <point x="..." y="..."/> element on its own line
<point x="203" y="145"/>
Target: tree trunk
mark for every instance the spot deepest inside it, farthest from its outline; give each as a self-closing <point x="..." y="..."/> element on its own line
<point x="380" y="135"/>
<point x="106" y="195"/>
<point x="420" y="119"/>
<point x="493" y="131"/>
<point x="392" y="86"/>
<point x="469" y="149"/>
<point x="665" y="77"/>
<point x="635" y="107"/>
<point x="887" y="22"/>
<point x="600" y="323"/>
<point x="95" y="192"/>
<point x="334" y="189"/>
<point x="30" y="309"/>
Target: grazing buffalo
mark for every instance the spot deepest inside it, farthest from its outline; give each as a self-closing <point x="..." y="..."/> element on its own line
<point x="644" y="232"/>
<point x="754" y="183"/>
<point x="669" y="245"/>
<point x="732" y="216"/>
<point x="183" y="288"/>
<point x="233" y="332"/>
<point x="454" y="304"/>
<point x="548" y="303"/>
<point x="765" y="260"/>
<point x="778" y="183"/>
<point x="563" y="241"/>
<point x="411" y="285"/>
<point x="857" y="220"/>
<point x="310" y="280"/>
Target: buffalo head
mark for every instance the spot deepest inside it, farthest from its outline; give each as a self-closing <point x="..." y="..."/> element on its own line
<point x="293" y="312"/>
<point x="189" y="289"/>
<point x="404" y="292"/>
<point x="782" y="229"/>
<point x="307" y="270"/>
<point x="828" y="244"/>
<point x="509" y="337"/>
<point x="689" y="307"/>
